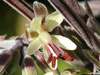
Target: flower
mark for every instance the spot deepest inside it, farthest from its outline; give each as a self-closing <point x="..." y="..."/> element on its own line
<point x="44" y="65"/>
<point x="41" y="39"/>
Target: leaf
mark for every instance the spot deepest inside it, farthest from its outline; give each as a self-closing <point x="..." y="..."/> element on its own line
<point x="66" y="65"/>
<point x="92" y="58"/>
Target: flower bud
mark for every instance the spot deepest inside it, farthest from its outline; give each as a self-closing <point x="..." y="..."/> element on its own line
<point x="40" y="9"/>
<point x="13" y="63"/>
<point x="5" y="57"/>
<point x="28" y="66"/>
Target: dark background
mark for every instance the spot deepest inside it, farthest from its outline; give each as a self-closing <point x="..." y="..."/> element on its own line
<point x="11" y="22"/>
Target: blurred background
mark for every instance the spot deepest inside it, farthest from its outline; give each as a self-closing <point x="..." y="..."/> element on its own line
<point x="13" y="24"/>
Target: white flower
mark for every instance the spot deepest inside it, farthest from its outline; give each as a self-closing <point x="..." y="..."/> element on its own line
<point x="51" y="45"/>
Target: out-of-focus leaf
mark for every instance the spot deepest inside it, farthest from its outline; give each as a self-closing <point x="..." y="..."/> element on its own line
<point x="66" y="65"/>
<point x="92" y="58"/>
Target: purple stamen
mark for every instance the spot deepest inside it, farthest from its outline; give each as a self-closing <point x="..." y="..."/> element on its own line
<point x="54" y="48"/>
<point x="60" y="49"/>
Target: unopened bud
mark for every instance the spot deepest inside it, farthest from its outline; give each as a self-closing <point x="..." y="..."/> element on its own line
<point x="13" y="63"/>
<point x="40" y="9"/>
<point x="5" y="57"/>
<point x="28" y="66"/>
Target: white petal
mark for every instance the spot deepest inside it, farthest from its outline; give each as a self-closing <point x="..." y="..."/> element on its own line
<point x="64" y="42"/>
<point x="36" y="24"/>
<point x="34" y="46"/>
<point x="53" y="20"/>
<point x="45" y="54"/>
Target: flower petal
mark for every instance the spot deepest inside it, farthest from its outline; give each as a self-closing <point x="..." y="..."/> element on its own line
<point x="40" y="9"/>
<point x="36" y="24"/>
<point x="46" y="56"/>
<point x="53" y="20"/>
<point x="64" y="42"/>
<point x="34" y="46"/>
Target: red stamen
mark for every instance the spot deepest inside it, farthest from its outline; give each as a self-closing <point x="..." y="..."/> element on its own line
<point x="66" y="57"/>
<point x="53" y="61"/>
<point x="69" y="59"/>
<point x="66" y="54"/>
<point x="58" y="56"/>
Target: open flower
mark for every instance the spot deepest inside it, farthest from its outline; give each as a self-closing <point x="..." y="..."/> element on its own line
<point x="41" y="39"/>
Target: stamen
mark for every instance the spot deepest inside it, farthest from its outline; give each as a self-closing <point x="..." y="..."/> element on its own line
<point x="60" y="49"/>
<point x="67" y="57"/>
<point x="54" y="48"/>
<point x="54" y="61"/>
<point x="59" y="56"/>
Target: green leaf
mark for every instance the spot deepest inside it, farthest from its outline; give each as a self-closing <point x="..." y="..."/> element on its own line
<point x="66" y="65"/>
